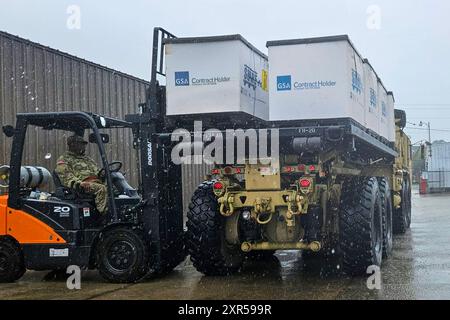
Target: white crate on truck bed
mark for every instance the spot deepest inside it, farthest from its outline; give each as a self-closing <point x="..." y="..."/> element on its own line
<point x="316" y="78"/>
<point x="372" y="100"/>
<point x="391" y="116"/>
<point x="384" y="110"/>
<point x="380" y="105"/>
<point x="216" y="75"/>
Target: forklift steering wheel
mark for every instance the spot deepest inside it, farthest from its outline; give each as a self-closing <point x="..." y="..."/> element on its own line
<point x="114" y="166"/>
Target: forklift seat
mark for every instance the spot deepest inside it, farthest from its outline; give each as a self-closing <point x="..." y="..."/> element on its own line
<point x="63" y="192"/>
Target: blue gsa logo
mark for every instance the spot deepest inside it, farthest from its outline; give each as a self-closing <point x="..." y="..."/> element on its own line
<point x="373" y="98"/>
<point x="182" y="78"/>
<point x="357" y="84"/>
<point x="283" y="83"/>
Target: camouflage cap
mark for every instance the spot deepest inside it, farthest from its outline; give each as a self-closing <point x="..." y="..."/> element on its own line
<point x="75" y="139"/>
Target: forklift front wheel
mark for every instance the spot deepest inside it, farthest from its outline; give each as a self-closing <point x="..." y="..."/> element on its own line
<point x="122" y="255"/>
<point x="12" y="265"/>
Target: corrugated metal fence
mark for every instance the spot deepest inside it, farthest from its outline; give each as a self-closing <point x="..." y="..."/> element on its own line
<point x="35" y="78"/>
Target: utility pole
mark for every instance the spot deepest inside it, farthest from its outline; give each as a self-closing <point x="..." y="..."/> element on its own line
<point x="421" y="124"/>
<point x="428" y="124"/>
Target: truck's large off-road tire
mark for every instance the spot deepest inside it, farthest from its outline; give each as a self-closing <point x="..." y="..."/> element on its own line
<point x="12" y="265"/>
<point x="360" y="225"/>
<point x="402" y="215"/>
<point x="122" y="255"/>
<point x="386" y="203"/>
<point x="205" y="236"/>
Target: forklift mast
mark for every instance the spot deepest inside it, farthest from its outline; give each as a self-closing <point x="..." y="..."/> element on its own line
<point x="160" y="179"/>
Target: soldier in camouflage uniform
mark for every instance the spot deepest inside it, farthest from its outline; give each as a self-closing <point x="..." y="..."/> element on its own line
<point x="78" y="171"/>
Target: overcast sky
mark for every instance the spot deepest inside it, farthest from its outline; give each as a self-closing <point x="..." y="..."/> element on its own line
<point x="407" y="41"/>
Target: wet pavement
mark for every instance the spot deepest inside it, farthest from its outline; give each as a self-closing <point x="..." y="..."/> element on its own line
<point x="419" y="268"/>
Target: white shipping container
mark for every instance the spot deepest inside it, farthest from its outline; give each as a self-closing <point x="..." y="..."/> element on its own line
<point x="391" y="116"/>
<point x="438" y="167"/>
<point x="440" y="157"/>
<point x="372" y="119"/>
<point x="316" y="78"/>
<point x="215" y="75"/>
<point x="437" y="180"/>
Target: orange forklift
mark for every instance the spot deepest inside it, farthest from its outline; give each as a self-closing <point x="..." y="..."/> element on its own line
<point x="53" y="230"/>
<point x="142" y="233"/>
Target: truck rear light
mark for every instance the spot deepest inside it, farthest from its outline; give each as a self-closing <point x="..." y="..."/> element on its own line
<point x="218" y="186"/>
<point x="288" y="169"/>
<point x="300" y="168"/>
<point x="305" y="183"/>
<point x="228" y="170"/>
<point x="219" y="189"/>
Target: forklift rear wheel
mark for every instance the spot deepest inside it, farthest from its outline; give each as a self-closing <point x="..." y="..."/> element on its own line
<point x="12" y="265"/>
<point x="210" y="253"/>
<point x="360" y="225"/>
<point x="122" y="255"/>
<point x="386" y="203"/>
<point x="402" y="215"/>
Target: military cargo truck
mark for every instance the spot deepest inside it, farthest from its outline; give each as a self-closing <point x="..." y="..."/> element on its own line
<point x="339" y="185"/>
<point x="339" y="195"/>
